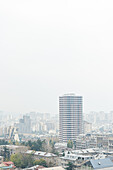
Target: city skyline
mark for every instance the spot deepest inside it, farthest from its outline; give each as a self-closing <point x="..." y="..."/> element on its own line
<point x="56" y="84"/>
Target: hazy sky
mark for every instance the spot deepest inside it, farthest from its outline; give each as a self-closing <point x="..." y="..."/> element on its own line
<point x="52" y="47"/>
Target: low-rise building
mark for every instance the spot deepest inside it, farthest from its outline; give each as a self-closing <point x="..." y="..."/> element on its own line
<point x="76" y="159"/>
<point x="79" y="158"/>
<point x="14" y="148"/>
<point x="48" y="157"/>
<point x="60" y="146"/>
<point x="7" y="165"/>
<point x="55" y="168"/>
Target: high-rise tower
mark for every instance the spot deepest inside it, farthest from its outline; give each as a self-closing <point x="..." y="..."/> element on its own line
<point x="70" y="117"/>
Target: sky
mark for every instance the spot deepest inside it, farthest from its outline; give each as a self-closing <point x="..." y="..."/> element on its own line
<point x="52" y="47"/>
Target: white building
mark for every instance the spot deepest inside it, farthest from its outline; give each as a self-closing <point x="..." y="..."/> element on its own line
<point x="70" y="117"/>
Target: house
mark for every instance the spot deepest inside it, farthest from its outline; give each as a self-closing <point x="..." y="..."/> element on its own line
<point x="7" y="165"/>
<point x="76" y="159"/>
<point x="98" y="164"/>
<point x="50" y="158"/>
<point x="14" y="148"/>
<point x="102" y="164"/>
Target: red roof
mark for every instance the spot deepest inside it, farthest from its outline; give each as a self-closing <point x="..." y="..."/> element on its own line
<point x="9" y="163"/>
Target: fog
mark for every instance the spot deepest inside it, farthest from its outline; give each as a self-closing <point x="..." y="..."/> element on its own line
<point x="48" y="48"/>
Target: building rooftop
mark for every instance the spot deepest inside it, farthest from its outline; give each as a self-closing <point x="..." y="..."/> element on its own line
<point x="101" y="163"/>
<point x="54" y="168"/>
<point x="40" y="153"/>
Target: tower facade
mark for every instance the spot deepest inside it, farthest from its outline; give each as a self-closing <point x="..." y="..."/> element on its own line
<point x="70" y="117"/>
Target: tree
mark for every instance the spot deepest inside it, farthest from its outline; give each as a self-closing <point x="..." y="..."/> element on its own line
<point x="44" y="146"/>
<point x="63" y="154"/>
<point x="27" y="161"/>
<point x="5" y="153"/>
<point x="57" y="153"/>
<point x="52" y="146"/>
<point x="74" y="144"/>
<point x="40" y="162"/>
<point x="29" y="143"/>
<point x="35" y="145"/>
<point x="51" y="164"/>
<point x="3" y="142"/>
<point x="16" y="159"/>
<point x="70" y="144"/>
<point x="22" y="160"/>
<point x="70" y="166"/>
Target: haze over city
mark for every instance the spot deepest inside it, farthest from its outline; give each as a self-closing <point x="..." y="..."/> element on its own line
<point x="49" y="48"/>
<point x="56" y="84"/>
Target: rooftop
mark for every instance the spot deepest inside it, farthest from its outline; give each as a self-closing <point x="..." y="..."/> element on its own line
<point x="101" y="163"/>
<point x="40" y="153"/>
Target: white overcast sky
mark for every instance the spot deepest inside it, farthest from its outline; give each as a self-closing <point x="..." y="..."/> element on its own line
<point x="52" y="47"/>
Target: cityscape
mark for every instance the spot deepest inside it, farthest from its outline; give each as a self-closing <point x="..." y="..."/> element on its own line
<point x="70" y="139"/>
<point x="56" y="85"/>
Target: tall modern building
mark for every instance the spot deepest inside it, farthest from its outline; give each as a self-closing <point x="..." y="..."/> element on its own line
<point x="70" y="117"/>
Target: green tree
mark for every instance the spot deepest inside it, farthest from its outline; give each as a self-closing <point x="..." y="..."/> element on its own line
<point x="22" y="160"/>
<point x="40" y="162"/>
<point x="29" y="143"/>
<point x="27" y="161"/>
<point x="44" y="146"/>
<point x="52" y="145"/>
<point x="63" y="154"/>
<point x="23" y="143"/>
<point x="70" y="144"/>
<point x="35" y="145"/>
<point x="69" y="166"/>
<point x="3" y="142"/>
<point x="5" y="153"/>
<point x="57" y="153"/>
<point x="16" y="159"/>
